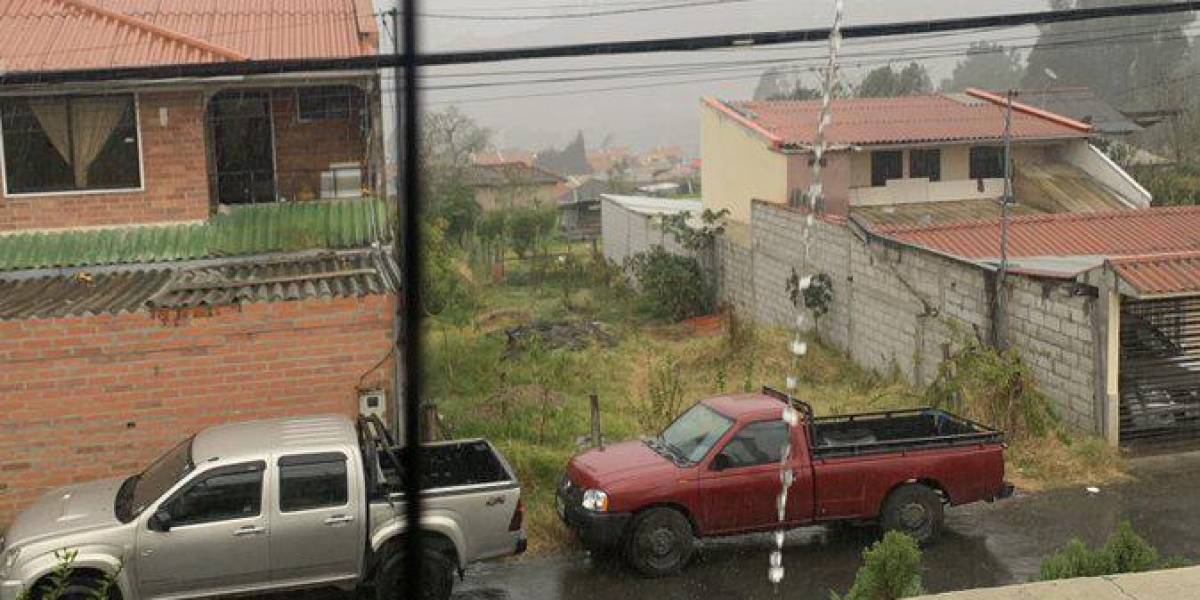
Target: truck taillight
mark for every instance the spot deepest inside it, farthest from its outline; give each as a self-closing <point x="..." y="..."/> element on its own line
<point x="518" y="517"/>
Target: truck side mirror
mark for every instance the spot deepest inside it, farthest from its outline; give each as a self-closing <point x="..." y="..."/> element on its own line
<point x="721" y="462"/>
<point x="160" y="521"/>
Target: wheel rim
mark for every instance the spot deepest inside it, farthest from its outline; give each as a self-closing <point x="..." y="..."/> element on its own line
<point x="661" y="542"/>
<point x="913" y="516"/>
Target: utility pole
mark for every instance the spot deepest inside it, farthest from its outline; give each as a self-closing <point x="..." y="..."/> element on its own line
<point x="1000" y="322"/>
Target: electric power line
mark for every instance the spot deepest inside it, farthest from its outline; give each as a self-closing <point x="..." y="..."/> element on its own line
<point x="581" y="15"/>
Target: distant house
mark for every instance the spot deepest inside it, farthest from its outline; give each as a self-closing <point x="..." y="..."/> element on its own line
<point x="1083" y="105"/>
<point x="579" y="209"/>
<point x="513" y="184"/>
<point x="892" y="152"/>
<point x="179" y="253"/>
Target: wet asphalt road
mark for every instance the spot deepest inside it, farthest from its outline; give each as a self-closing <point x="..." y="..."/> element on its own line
<point x="983" y="545"/>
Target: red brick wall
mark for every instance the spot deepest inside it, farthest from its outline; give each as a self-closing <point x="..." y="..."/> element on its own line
<point x="93" y="397"/>
<point x="304" y="149"/>
<point x="175" y="181"/>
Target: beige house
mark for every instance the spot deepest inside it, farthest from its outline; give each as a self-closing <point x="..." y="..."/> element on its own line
<point x="514" y="184"/>
<point x="888" y="154"/>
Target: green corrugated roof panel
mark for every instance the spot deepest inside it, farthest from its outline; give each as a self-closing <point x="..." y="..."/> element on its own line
<point x="257" y="229"/>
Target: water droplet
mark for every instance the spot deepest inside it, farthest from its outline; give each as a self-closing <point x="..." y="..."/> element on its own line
<point x="776" y="559"/>
<point x="775" y="574"/>
<point x="791" y="383"/>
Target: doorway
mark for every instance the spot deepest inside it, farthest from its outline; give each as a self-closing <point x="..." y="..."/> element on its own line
<point x="243" y="142"/>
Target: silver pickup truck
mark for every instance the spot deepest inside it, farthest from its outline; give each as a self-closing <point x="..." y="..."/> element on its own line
<point x="269" y="506"/>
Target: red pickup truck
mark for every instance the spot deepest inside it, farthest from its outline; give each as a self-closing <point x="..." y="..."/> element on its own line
<point x="716" y="471"/>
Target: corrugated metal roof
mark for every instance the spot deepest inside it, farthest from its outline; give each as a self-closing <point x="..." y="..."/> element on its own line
<point x="1160" y="275"/>
<point x="55" y="35"/>
<point x="349" y="276"/>
<point x="1113" y="233"/>
<point x="238" y="282"/>
<point x="79" y="295"/>
<point x="245" y="230"/>
<point x="904" y="120"/>
<point x="651" y="206"/>
<point x="934" y="213"/>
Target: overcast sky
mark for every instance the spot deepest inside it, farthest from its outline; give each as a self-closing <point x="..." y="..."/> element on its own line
<point x="663" y="108"/>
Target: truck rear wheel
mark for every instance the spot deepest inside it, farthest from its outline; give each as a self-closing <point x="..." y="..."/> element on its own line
<point x="437" y="577"/>
<point x="660" y="542"/>
<point x="914" y="509"/>
<point x="79" y="587"/>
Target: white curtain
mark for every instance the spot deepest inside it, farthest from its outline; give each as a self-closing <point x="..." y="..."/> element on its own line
<point x="93" y="121"/>
<point x="51" y="114"/>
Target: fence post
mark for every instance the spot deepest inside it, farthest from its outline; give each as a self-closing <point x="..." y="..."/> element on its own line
<point x="597" y="441"/>
<point x="431" y="422"/>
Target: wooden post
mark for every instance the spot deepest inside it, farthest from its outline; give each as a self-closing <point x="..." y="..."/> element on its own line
<point x="597" y="441"/>
<point x="430" y="422"/>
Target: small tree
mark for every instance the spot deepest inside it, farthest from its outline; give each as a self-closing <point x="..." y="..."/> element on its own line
<point x="530" y="228"/>
<point x="891" y="570"/>
<point x="672" y="286"/>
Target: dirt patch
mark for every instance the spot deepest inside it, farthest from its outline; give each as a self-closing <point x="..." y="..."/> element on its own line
<point x="556" y="335"/>
<point x="495" y="320"/>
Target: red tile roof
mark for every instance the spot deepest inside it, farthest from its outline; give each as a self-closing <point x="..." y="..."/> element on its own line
<point x="56" y="35"/>
<point x="976" y="115"/>
<point x="1113" y="233"/>
<point x="1162" y="274"/>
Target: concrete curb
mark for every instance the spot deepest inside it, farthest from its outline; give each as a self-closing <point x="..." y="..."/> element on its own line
<point x="1154" y="585"/>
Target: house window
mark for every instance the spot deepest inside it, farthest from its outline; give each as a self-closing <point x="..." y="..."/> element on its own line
<point x="70" y="144"/>
<point x="925" y="163"/>
<point x="325" y="102"/>
<point x="886" y="165"/>
<point x="987" y="162"/>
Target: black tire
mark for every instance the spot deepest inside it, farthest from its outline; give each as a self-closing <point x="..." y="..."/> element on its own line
<point x="914" y="509"/>
<point x="660" y="542"/>
<point x="79" y="588"/>
<point x="437" y="577"/>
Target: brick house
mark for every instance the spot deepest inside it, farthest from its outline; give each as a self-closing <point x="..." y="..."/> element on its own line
<point x="917" y="154"/>
<point x="176" y="254"/>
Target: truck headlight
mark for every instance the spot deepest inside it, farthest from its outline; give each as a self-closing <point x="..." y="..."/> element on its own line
<point x="595" y="500"/>
<point x="8" y="560"/>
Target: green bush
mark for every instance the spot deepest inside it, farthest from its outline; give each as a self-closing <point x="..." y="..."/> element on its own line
<point x="1124" y="552"/>
<point x="530" y="228"/>
<point x="891" y="569"/>
<point x="671" y="286"/>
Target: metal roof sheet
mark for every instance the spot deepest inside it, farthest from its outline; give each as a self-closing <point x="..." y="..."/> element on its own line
<point x="56" y="35"/>
<point x="245" y="230"/>
<point x="651" y="206"/>
<point x="1081" y="104"/>
<point x="237" y="282"/>
<point x="1112" y="233"/>
<point x="347" y="276"/>
<point x="903" y="120"/>
<point x="1160" y="275"/>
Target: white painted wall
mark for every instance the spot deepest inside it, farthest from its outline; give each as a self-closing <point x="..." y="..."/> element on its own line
<point x="1101" y="168"/>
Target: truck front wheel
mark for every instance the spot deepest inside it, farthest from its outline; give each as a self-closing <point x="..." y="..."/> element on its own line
<point x="914" y="509"/>
<point x="660" y="542"/>
<point x="437" y="577"/>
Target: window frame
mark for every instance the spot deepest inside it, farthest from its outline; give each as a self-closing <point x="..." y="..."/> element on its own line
<point x="971" y="161"/>
<point x="350" y="108"/>
<point x="258" y="466"/>
<point x="308" y="459"/>
<point x="137" y="123"/>
<point x="899" y="162"/>
<point x="926" y="153"/>
<point x="733" y="438"/>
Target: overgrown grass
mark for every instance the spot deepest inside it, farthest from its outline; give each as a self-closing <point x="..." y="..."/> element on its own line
<point x="534" y="404"/>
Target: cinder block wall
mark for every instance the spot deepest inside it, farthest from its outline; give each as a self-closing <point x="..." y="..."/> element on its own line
<point x="898" y="308"/>
<point x="174" y="176"/>
<point x="84" y="398"/>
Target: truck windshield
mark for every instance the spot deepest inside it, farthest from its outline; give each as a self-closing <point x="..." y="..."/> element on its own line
<point x="140" y="490"/>
<point x="693" y="434"/>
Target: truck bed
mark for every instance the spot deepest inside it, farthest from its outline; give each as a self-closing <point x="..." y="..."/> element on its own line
<point x="454" y="464"/>
<point x="895" y="431"/>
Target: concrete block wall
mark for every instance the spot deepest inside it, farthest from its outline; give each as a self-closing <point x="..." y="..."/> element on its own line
<point x="901" y="308"/>
<point x="1052" y="328"/>
<point x="85" y="398"/>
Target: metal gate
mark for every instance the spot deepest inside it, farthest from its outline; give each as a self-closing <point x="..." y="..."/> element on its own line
<point x="1160" y="370"/>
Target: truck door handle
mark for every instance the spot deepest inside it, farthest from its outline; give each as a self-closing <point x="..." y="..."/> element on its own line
<point x="339" y="519"/>
<point x="249" y="530"/>
<point x="494" y="500"/>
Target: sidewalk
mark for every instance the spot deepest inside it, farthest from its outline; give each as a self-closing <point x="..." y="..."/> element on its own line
<point x="1154" y="585"/>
